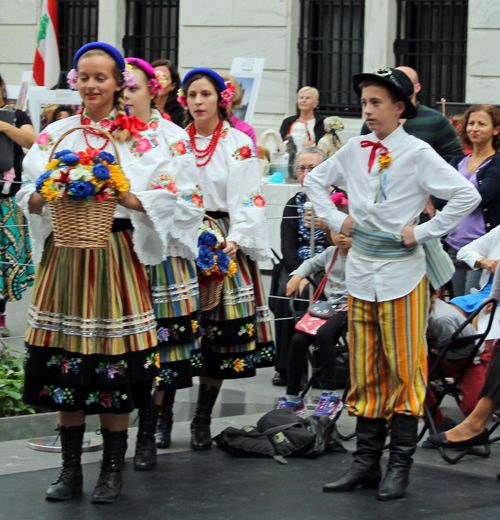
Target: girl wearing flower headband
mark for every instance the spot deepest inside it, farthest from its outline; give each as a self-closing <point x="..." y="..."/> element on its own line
<point x="174" y="282"/>
<point x="166" y="99"/>
<point x="237" y="336"/>
<point x="91" y="337"/>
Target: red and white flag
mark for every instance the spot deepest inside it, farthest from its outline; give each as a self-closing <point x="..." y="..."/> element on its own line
<point x="46" y="67"/>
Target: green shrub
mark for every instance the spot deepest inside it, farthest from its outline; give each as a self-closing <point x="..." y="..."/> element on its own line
<point x="11" y="386"/>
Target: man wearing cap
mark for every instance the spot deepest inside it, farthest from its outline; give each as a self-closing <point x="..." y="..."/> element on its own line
<point x="389" y="176"/>
<point x="429" y="125"/>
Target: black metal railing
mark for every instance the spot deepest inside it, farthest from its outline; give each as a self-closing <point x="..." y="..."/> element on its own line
<point x="432" y="39"/>
<point x="331" y="51"/>
<point x="152" y="29"/>
<point x="77" y="24"/>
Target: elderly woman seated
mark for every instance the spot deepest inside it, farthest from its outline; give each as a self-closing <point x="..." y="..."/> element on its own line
<point x="295" y="248"/>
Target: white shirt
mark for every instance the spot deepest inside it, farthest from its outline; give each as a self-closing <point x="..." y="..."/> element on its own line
<point x="416" y="172"/>
<point x="231" y="183"/>
<point x="310" y="126"/>
<point x="142" y="160"/>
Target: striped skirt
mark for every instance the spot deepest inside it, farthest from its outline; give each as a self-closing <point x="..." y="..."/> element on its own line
<point x="16" y="270"/>
<point x="91" y="337"/>
<point x="236" y="335"/>
<point x="174" y="289"/>
<point x="388" y="355"/>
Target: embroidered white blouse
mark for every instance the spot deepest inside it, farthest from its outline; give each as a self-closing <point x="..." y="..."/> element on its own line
<point x="142" y="161"/>
<point x="231" y="183"/>
<point x="416" y="172"/>
<point x="189" y="212"/>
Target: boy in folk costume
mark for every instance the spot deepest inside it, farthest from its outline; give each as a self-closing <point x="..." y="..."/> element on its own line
<point x="389" y="176"/>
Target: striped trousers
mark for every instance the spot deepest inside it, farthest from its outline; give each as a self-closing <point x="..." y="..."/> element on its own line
<point x="387" y="352"/>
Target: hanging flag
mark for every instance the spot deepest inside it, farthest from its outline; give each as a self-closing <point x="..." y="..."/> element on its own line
<point x="46" y="67"/>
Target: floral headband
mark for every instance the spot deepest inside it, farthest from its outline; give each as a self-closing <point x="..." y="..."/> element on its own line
<point x="226" y="95"/>
<point x="128" y="77"/>
<point x="226" y="87"/>
<point x="157" y="79"/>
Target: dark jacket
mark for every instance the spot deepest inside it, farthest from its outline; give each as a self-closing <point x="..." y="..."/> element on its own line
<point x="319" y="128"/>
<point x="488" y="179"/>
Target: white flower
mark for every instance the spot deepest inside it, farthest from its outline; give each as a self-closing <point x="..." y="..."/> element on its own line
<point x="79" y="173"/>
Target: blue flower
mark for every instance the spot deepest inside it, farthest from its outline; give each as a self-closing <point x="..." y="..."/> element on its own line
<point x="80" y="190"/>
<point x="57" y="155"/>
<point x="207" y="238"/>
<point x="70" y="158"/>
<point x="205" y="259"/>
<point x="41" y="180"/>
<point x="222" y="261"/>
<point x="105" y="156"/>
<point x="163" y="334"/>
<point x="58" y="395"/>
<point x="101" y="172"/>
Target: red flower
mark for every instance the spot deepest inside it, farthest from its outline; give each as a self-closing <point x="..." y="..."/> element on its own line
<point x="259" y="201"/>
<point x="180" y="147"/>
<point x="153" y="125"/>
<point x="171" y="187"/>
<point x="65" y="366"/>
<point x="86" y="121"/>
<point x="196" y="200"/>
<point x="246" y="152"/>
<point x="105" y="399"/>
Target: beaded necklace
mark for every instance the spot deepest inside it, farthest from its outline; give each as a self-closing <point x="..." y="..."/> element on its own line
<point x="201" y="154"/>
<point x="93" y="132"/>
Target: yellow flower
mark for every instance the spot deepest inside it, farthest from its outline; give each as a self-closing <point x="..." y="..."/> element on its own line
<point x="157" y="360"/>
<point x="239" y="365"/>
<point x="96" y="182"/>
<point x="118" y="179"/>
<point x="384" y="161"/>
<point x="49" y="193"/>
<point x="52" y="164"/>
<point x="157" y="381"/>
<point x="194" y="325"/>
<point x="250" y="329"/>
<point x="232" y="268"/>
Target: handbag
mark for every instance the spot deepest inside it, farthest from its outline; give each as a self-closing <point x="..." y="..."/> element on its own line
<point x="319" y="311"/>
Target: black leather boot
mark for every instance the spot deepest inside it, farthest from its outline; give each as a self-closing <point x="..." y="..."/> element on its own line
<point x="201" y="437"/>
<point x="165" y="422"/>
<point x="70" y="480"/>
<point x="145" y="447"/>
<point x="365" y="470"/>
<point x="404" y="434"/>
<point x="109" y="484"/>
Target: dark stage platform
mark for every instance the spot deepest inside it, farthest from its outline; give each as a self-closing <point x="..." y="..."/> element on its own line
<point x="214" y="486"/>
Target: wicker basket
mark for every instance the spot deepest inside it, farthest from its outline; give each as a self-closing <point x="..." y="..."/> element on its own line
<point x="210" y="296"/>
<point x="83" y="224"/>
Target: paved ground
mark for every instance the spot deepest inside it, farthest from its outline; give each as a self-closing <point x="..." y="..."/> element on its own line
<point x="241" y="402"/>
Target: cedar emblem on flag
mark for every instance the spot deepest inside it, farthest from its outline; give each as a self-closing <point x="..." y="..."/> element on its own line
<point x="46" y="67"/>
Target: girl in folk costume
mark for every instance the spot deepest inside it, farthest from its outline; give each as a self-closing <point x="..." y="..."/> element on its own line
<point x="174" y="282"/>
<point x="91" y="337"/>
<point x="236" y="333"/>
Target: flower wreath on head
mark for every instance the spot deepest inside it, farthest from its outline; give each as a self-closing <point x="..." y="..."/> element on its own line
<point x="226" y="95"/>
<point x="158" y="83"/>
<point x="128" y="77"/>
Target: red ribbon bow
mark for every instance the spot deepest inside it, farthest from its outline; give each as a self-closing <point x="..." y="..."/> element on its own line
<point x="376" y="146"/>
<point x="131" y="123"/>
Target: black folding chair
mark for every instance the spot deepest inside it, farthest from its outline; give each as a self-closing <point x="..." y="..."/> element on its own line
<point x="341" y="347"/>
<point x="452" y="388"/>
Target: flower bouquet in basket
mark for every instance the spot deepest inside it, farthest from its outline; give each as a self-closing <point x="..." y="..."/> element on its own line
<point x="213" y="265"/>
<point x="82" y="190"/>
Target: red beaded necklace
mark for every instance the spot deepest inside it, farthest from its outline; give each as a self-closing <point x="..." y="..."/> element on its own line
<point x="201" y="154"/>
<point x="93" y="132"/>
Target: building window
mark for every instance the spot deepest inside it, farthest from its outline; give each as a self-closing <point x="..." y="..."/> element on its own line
<point x="152" y="29"/>
<point x="77" y="25"/>
<point x="331" y="51"/>
<point x="432" y="39"/>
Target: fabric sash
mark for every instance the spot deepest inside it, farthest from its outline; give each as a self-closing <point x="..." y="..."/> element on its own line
<point x="378" y="246"/>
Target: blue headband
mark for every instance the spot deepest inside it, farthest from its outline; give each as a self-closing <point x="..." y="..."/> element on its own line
<point x="209" y="72"/>
<point x="109" y="49"/>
